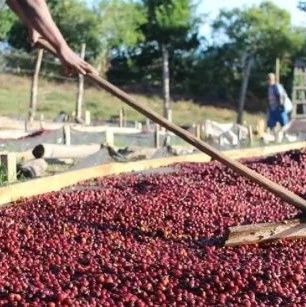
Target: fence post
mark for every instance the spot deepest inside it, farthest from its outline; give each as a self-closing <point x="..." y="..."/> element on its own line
<point x="198" y="131"/>
<point x="8" y="162"/>
<point x="261" y="128"/>
<point x="26" y="126"/>
<point x="157" y="136"/>
<point x="121" y="115"/>
<point x="42" y="118"/>
<point x="244" y="88"/>
<point x="80" y="95"/>
<point x="34" y="88"/>
<point x="87" y="118"/>
<point x="148" y="124"/>
<point x="67" y="135"/>
<point x="124" y="117"/>
<point x="277" y="70"/>
<point x="251" y="135"/>
<point x="109" y="137"/>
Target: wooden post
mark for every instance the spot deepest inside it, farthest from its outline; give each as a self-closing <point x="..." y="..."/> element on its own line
<point x="167" y="141"/>
<point x="124" y="117"/>
<point x="170" y="118"/>
<point x="277" y="70"/>
<point x="194" y="129"/>
<point x="244" y="88"/>
<point x="34" y="88"/>
<point x="8" y="162"/>
<point x="80" y="95"/>
<point x="26" y="126"/>
<point x="42" y="118"/>
<point x="157" y="136"/>
<point x="87" y="118"/>
<point x="67" y="135"/>
<point x="205" y="130"/>
<point x="166" y="83"/>
<point x="251" y="135"/>
<point x="121" y="114"/>
<point x="261" y="127"/>
<point x="148" y="124"/>
<point x="203" y="133"/>
<point x="198" y="131"/>
<point x="109" y="137"/>
<point x="239" y="133"/>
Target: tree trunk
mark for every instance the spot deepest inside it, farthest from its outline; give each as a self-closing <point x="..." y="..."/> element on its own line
<point x="79" y="103"/>
<point x="34" y="89"/>
<point x="166" y="83"/>
<point x="244" y="88"/>
<point x="277" y="70"/>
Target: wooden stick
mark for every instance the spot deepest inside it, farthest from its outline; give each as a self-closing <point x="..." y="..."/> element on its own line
<point x="259" y="233"/>
<point x="244" y="88"/>
<point x="34" y="88"/>
<point x="241" y="169"/>
<point x="8" y="162"/>
<point x="80" y="95"/>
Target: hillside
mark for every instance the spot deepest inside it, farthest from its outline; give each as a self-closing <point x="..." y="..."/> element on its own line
<point x="54" y="97"/>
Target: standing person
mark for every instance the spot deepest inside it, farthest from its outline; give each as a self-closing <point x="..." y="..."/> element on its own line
<point x="36" y="16"/>
<point x="279" y="108"/>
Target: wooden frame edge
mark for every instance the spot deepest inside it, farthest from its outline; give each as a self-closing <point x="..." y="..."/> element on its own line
<point x="57" y="182"/>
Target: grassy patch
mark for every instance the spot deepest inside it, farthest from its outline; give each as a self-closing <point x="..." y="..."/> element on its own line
<point x="54" y="97"/>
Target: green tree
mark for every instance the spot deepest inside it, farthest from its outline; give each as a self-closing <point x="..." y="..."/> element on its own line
<point x="119" y="28"/>
<point x="7" y="20"/>
<point x="171" y="26"/>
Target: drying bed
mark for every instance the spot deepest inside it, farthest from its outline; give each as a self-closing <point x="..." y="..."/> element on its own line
<point x="155" y="239"/>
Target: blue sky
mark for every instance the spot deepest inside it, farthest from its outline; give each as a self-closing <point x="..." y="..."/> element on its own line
<point x="212" y="8"/>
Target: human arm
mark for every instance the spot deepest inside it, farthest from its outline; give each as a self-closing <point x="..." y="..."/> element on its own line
<point x="36" y="16"/>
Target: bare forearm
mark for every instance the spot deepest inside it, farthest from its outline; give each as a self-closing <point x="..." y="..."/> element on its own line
<point x="37" y="16"/>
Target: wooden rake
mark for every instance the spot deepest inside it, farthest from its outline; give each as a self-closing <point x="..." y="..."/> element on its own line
<point x="238" y="235"/>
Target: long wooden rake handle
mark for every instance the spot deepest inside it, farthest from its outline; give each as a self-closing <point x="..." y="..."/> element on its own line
<point x="241" y="169"/>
